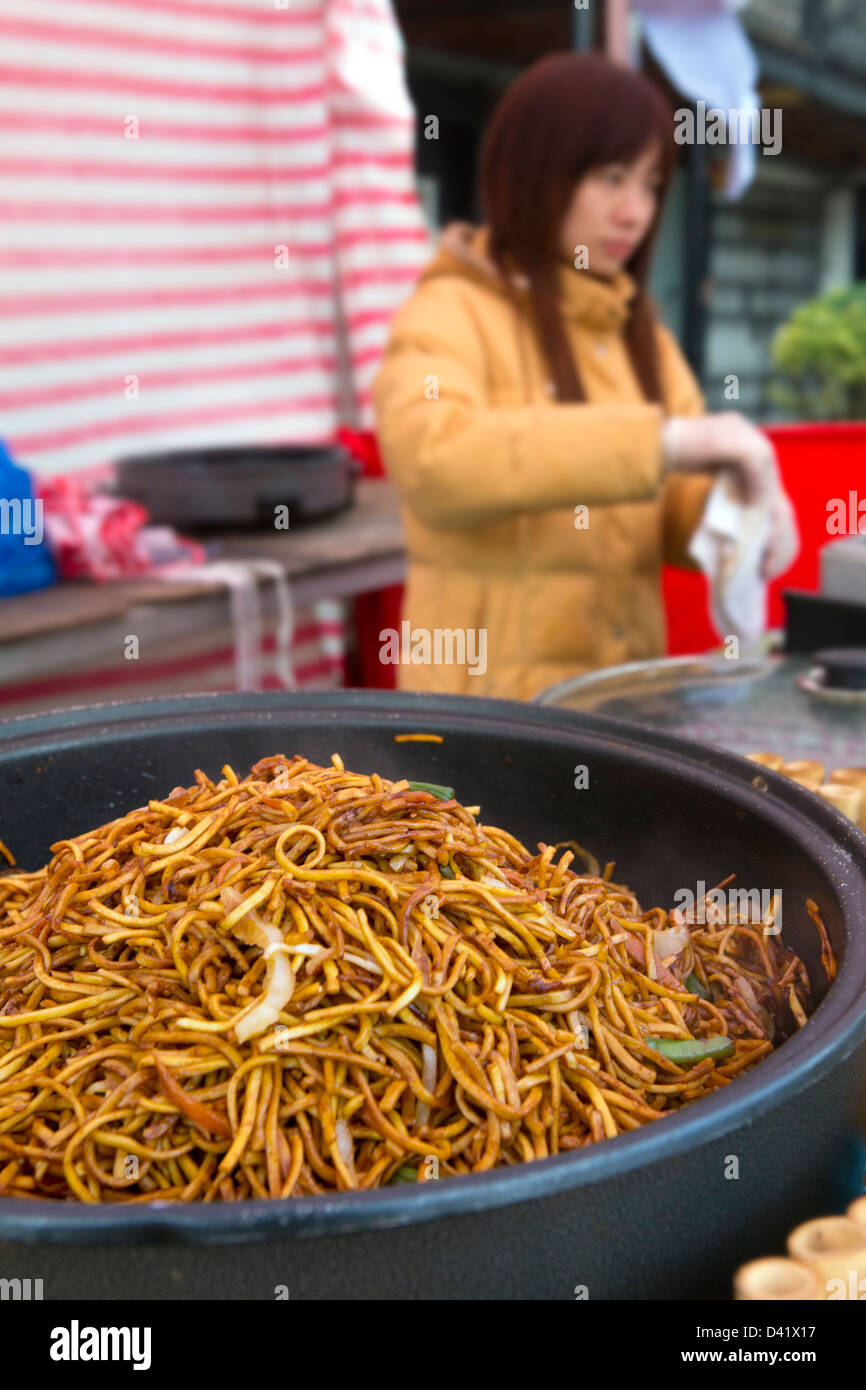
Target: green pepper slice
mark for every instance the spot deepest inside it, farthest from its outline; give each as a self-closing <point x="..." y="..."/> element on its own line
<point x="689" y="1050"/>
<point x="694" y="986"/>
<point x="443" y="793"/>
<point x="406" y="1174"/>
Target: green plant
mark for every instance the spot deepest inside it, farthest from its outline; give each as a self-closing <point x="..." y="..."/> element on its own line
<point x="820" y="357"/>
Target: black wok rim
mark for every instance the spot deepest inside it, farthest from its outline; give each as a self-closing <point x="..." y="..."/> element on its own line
<point x="833" y="1033"/>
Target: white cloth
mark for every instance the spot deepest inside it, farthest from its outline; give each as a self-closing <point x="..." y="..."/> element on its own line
<point x="241" y="579"/>
<point x="706" y="53"/>
<point x="729" y="545"/>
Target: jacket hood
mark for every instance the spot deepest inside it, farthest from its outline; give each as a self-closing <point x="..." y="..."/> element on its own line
<point x="463" y="250"/>
<point x="603" y="304"/>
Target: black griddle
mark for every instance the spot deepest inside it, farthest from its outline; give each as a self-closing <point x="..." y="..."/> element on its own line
<point x="239" y="485"/>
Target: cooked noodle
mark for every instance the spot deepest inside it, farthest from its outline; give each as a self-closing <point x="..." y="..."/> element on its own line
<point x="312" y="979"/>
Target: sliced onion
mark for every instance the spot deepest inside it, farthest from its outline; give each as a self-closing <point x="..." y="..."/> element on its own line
<point x="177" y="832"/>
<point x="429" y="1066"/>
<point x="743" y="987"/>
<point x="345" y="1147"/>
<point x="429" y="1071"/>
<point x="670" y="942"/>
<point x="403" y="858"/>
<point x="421" y="959"/>
<point x="651" y="964"/>
<point x="279" y="976"/>
<point x="580" y="1022"/>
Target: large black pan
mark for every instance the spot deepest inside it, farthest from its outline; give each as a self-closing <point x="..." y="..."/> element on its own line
<point x="666" y="1211"/>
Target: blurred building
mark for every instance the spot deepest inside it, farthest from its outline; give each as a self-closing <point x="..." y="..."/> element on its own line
<point x="727" y="272"/>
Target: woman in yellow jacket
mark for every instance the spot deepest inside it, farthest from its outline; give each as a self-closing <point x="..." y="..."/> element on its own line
<point x="546" y="436"/>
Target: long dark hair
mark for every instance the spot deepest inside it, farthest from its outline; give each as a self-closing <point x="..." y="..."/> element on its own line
<point x="565" y="115"/>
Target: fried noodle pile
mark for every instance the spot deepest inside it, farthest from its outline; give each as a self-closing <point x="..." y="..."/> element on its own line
<point x="311" y="979"/>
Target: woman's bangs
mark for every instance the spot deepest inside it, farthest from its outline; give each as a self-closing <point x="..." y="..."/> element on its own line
<point x="625" y="130"/>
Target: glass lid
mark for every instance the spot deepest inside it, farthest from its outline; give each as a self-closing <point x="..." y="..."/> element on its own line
<point x="769" y="704"/>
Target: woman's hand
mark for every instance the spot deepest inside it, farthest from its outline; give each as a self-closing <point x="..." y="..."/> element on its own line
<point x="728" y="442"/>
<point x="713" y="443"/>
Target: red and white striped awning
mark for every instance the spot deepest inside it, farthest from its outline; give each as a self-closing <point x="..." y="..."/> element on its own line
<point x="155" y="158"/>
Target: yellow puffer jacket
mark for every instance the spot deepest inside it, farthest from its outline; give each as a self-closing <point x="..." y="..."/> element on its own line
<point x="493" y="476"/>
